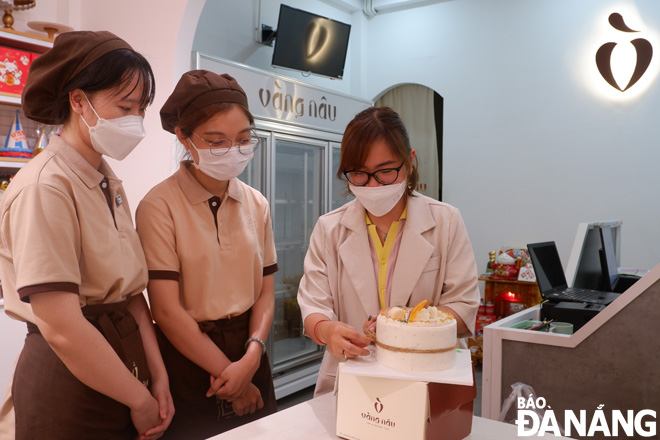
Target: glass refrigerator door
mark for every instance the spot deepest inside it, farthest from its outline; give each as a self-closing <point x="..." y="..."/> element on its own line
<point x="255" y="174"/>
<point x="297" y="202"/>
<point x="338" y="187"/>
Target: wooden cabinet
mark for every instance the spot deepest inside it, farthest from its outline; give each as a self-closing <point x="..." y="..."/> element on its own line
<point x="504" y="294"/>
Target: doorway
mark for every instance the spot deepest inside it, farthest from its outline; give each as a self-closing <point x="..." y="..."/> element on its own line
<point x="421" y="110"/>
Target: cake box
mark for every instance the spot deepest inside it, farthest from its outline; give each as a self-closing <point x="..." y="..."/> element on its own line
<point x="375" y="402"/>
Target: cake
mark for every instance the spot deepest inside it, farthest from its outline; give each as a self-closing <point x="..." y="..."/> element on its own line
<point x="416" y="339"/>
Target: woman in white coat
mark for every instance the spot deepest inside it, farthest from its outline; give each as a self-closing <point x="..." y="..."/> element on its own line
<point x="391" y="246"/>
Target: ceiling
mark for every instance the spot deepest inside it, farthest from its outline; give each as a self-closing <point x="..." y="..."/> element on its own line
<point x="374" y="7"/>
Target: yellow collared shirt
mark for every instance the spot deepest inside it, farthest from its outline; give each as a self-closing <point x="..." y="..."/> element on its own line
<point x="383" y="253"/>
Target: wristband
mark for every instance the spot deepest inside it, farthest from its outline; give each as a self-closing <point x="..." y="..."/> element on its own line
<point x="316" y="325"/>
<point x="263" y="345"/>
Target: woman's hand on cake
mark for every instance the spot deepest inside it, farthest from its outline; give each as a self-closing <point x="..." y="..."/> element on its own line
<point x="369" y="327"/>
<point x="343" y="340"/>
<point x="461" y="328"/>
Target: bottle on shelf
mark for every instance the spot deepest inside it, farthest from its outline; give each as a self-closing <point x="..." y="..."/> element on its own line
<point x="41" y="144"/>
<point x="491" y="262"/>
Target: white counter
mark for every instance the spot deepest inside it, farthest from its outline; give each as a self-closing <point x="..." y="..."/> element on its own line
<point x="600" y="351"/>
<point x="315" y="419"/>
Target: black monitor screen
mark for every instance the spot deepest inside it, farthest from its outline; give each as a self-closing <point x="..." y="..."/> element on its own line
<point x="310" y="43"/>
<point x="547" y="265"/>
<point x="590" y="273"/>
<point x="610" y="267"/>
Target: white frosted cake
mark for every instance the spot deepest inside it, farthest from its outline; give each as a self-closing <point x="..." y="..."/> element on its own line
<point x="416" y="339"/>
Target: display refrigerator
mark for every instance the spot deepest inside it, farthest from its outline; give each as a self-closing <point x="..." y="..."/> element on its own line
<point x="300" y="129"/>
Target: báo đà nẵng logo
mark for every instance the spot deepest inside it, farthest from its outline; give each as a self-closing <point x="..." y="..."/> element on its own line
<point x="619" y="424"/>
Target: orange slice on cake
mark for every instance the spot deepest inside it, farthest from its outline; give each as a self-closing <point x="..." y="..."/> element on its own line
<point x="416" y="309"/>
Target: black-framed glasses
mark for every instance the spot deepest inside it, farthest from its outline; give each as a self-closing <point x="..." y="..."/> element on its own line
<point x="220" y="147"/>
<point x="386" y="176"/>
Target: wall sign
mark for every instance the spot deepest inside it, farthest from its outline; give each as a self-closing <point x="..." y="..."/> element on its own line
<point x="643" y="50"/>
<point x="281" y="99"/>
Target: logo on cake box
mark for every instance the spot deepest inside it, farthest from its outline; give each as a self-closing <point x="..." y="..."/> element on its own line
<point x="375" y="408"/>
<point x="395" y="407"/>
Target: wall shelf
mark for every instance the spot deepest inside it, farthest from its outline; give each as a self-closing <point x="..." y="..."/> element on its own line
<point x="24" y="42"/>
<point x="6" y="98"/>
<point x="10" y="165"/>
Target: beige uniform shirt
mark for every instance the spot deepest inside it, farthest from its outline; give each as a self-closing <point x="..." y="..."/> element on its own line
<point x="218" y="250"/>
<point x="66" y="226"/>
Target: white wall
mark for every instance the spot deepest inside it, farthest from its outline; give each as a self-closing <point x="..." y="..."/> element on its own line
<point x="529" y="150"/>
<point x="65" y="12"/>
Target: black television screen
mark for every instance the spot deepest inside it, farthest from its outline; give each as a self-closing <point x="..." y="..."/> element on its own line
<point x="310" y="43"/>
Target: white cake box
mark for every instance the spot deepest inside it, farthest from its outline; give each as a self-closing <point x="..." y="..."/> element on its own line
<point x="376" y="402"/>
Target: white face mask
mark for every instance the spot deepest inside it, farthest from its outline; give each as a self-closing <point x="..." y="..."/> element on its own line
<point x="379" y="200"/>
<point x="116" y="137"/>
<point x="225" y="167"/>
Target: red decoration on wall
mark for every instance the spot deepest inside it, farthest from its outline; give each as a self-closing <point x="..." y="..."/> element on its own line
<point x="14" y="68"/>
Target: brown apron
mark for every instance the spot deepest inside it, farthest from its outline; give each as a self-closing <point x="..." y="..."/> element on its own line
<point x="50" y="403"/>
<point x="197" y="416"/>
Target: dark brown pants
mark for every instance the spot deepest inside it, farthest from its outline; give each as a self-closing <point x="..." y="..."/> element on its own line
<point x="50" y="403"/>
<point x="197" y="416"/>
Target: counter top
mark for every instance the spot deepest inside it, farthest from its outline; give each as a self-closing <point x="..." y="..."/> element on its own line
<point x="315" y="419"/>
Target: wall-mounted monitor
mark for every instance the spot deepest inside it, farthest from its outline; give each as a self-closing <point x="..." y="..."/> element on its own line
<point x="310" y="43"/>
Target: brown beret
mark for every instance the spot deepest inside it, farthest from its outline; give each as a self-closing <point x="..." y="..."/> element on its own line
<point x="197" y="89"/>
<point x="71" y="53"/>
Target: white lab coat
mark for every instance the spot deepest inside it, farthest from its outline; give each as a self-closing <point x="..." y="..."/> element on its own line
<point x="435" y="262"/>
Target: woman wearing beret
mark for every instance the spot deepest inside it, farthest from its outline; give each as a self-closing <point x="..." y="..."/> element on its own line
<point x="390" y="246"/>
<point x="71" y="262"/>
<point x="209" y="245"/>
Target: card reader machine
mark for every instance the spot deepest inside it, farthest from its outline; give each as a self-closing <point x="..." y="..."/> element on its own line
<point x="577" y="314"/>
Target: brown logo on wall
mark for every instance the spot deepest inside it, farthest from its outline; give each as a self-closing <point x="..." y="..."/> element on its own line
<point x="286" y="104"/>
<point x="604" y="55"/>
